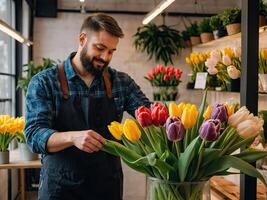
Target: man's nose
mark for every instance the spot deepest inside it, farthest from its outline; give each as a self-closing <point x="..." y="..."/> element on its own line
<point x="105" y="56"/>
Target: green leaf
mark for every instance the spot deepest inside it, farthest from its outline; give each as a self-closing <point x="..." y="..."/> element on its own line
<point x="251" y="155"/>
<point x="225" y="162"/>
<point x="186" y="157"/>
<point x="209" y="155"/>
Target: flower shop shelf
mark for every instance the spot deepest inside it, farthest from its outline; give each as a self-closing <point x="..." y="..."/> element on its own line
<point x="231" y="41"/>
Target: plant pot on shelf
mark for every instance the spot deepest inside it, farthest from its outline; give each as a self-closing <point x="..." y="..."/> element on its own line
<point x="25" y="153"/>
<point x="216" y="34"/>
<point x="165" y="93"/>
<point x="263" y="82"/>
<point x="234" y="85"/>
<point x="195" y="40"/>
<point x="4" y="157"/>
<point x="262" y="20"/>
<point x="206" y="37"/>
<point x="233" y="28"/>
<point x="158" y="189"/>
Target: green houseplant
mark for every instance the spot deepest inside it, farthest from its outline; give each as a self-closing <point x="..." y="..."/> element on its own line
<point x="193" y="31"/>
<point x="205" y="30"/>
<point x="186" y="38"/>
<point x="217" y="27"/>
<point x="262" y="13"/>
<point x="160" y="42"/>
<point x="30" y="70"/>
<point x="232" y="20"/>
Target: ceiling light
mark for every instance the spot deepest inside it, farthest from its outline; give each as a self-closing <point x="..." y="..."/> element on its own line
<point x="82" y="1"/>
<point x="13" y="33"/>
<point x="156" y="11"/>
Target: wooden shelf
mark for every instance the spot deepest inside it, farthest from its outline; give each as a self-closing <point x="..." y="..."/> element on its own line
<point x="230" y="41"/>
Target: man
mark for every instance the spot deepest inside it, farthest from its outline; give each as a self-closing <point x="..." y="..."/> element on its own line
<point x="68" y="108"/>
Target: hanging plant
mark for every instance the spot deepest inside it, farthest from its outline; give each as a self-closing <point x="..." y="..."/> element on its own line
<point x="160" y="42"/>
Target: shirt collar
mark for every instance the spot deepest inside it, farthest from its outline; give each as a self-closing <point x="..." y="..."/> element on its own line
<point x="69" y="70"/>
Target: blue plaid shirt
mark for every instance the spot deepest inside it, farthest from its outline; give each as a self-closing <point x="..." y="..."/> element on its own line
<point x="44" y="97"/>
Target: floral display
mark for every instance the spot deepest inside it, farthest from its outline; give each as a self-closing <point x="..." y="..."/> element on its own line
<point x="263" y="61"/>
<point x="182" y="143"/>
<point x="165" y="80"/>
<point x="10" y="127"/>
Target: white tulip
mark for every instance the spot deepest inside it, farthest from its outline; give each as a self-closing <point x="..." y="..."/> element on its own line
<point x="226" y="60"/>
<point x="241" y="115"/>
<point x="216" y="55"/>
<point x="212" y="70"/>
<point x="250" y="127"/>
<point x="233" y="72"/>
<point x="211" y="63"/>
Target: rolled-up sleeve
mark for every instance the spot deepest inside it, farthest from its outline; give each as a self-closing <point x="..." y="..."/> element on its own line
<point x="39" y="115"/>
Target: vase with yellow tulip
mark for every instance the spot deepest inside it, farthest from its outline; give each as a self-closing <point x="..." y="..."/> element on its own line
<point x="7" y="134"/>
<point x="25" y="153"/>
<point x="181" y="147"/>
<point x="263" y="70"/>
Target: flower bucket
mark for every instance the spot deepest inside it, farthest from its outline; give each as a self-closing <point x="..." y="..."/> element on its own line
<point x="25" y="153"/>
<point x="206" y="37"/>
<point x="216" y="34"/>
<point x="262" y="20"/>
<point x="160" y="189"/>
<point x="233" y="28"/>
<point x="4" y="157"/>
<point x="263" y="82"/>
<point x="165" y="93"/>
<point x="234" y="85"/>
<point x="195" y="40"/>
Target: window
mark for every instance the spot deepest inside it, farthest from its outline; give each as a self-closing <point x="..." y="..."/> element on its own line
<point x="7" y="69"/>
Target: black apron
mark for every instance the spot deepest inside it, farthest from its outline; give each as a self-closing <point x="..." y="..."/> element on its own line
<point x="74" y="174"/>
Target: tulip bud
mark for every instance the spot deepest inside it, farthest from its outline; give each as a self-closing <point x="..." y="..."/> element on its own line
<point x="174" y="129"/>
<point x="207" y="113"/>
<point x="220" y="112"/>
<point x="174" y="110"/>
<point x="250" y="127"/>
<point x="131" y="130"/>
<point x="159" y="114"/>
<point x="143" y="116"/>
<point x="212" y="70"/>
<point x="210" y="130"/>
<point x="233" y="72"/>
<point x="226" y="60"/>
<point x="241" y="115"/>
<point x="116" y="129"/>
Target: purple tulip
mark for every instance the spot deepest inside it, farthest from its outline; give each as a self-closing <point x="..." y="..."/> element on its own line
<point x="220" y="112"/>
<point x="175" y="129"/>
<point x="210" y="130"/>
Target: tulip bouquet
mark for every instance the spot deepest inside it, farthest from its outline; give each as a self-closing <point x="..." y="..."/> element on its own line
<point x="184" y="144"/>
<point x="9" y="127"/>
<point x="164" y="81"/>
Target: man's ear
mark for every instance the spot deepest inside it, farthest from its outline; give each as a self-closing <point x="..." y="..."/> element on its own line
<point x="82" y="39"/>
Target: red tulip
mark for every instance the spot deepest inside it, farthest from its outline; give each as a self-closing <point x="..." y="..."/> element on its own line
<point x="159" y="114"/>
<point x="143" y="115"/>
<point x="149" y="75"/>
<point x="161" y="68"/>
<point x="156" y="70"/>
<point x="166" y="77"/>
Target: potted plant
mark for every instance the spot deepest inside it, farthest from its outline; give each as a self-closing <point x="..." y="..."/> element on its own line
<point x="232" y="20"/>
<point x="30" y="70"/>
<point x="165" y="81"/>
<point x="263" y="70"/>
<point x="262" y="13"/>
<point x="160" y="42"/>
<point x="7" y="134"/>
<point x="186" y="38"/>
<point x="217" y="26"/>
<point x="205" y="30"/>
<point x="194" y="34"/>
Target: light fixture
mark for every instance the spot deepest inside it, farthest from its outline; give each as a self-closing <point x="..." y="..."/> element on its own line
<point x="13" y="33"/>
<point x="156" y="11"/>
<point x="81" y="1"/>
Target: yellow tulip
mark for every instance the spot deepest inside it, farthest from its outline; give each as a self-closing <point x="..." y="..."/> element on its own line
<point x="230" y="109"/>
<point x="188" y="61"/>
<point x="174" y="110"/>
<point x="131" y="130"/>
<point x="194" y="114"/>
<point x="264" y="54"/>
<point x="116" y="129"/>
<point x="207" y="113"/>
<point x="181" y="106"/>
<point x="229" y="52"/>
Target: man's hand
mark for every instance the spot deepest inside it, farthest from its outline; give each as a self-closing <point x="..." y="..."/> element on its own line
<point x="88" y="141"/>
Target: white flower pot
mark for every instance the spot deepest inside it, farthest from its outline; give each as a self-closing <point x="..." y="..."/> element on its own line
<point x="25" y="153"/>
<point x="4" y="157"/>
<point x="263" y="82"/>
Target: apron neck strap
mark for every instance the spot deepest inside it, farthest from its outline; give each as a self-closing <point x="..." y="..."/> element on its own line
<point x="107" y="83"/>
<point x="63" y="81"/>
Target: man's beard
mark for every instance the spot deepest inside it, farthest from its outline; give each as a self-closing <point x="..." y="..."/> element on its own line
<point x="87" y="63"/>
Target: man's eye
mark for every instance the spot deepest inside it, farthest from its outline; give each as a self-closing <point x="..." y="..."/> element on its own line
<point x="100" y="48"/>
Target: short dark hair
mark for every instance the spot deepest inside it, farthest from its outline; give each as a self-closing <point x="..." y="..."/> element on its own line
<point x="100" y="21"/>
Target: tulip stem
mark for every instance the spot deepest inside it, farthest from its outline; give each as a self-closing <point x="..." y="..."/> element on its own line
<point x="231" y="142"/>
<point x="177" y="147"/>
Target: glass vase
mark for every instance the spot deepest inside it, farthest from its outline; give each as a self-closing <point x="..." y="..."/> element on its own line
<point x="165" y="93"/>
<point x="158" y="189"/>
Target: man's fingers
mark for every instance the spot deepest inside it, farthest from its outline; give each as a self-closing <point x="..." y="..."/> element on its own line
<point x="98" y="137"/>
